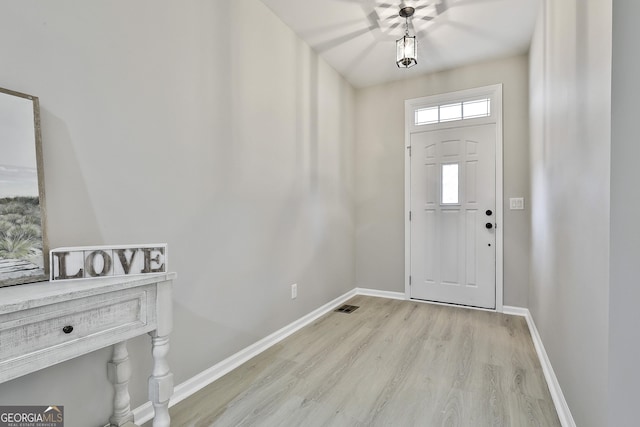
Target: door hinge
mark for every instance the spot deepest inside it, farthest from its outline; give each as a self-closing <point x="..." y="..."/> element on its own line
<point x="409" y="215"/>
<point x="409" y="280"/>
<point x="409" y="148"/>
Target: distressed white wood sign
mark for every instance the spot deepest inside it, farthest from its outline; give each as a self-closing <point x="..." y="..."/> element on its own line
<point x="103" y="261"/>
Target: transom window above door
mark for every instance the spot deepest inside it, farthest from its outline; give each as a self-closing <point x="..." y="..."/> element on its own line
<point x="450" y="112"/>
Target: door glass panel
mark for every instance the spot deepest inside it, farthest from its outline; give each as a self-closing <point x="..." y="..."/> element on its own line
<point x="479" y="108"/>
<point x="426" y="116"/>
<point x="450" y="184"/>
<point x="451" y="112"/>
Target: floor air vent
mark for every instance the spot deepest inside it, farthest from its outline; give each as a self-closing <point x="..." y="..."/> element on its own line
<point x="347" y="308"/>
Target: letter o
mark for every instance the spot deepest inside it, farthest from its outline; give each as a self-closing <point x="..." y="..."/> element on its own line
<point x="106" y="267"/>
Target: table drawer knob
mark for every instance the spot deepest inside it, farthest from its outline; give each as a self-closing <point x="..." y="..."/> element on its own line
<point x="67" y="329"/>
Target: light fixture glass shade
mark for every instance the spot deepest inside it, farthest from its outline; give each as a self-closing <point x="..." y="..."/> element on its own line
<point x="406" y="52"/>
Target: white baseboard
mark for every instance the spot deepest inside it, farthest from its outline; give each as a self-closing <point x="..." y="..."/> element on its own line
<point x="516" y="311"/>
<point x="144" y="413"/>
<point x="381" y="294"/>
<point x="566" y="419"/>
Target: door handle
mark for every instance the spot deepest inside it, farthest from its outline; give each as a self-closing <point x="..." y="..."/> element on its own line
<point x="489" y="226"/>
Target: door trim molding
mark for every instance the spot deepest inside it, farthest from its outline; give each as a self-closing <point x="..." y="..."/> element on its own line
<point x="495" y="93"/>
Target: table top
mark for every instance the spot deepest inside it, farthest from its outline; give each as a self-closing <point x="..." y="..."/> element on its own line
<point x="22" y="297"/>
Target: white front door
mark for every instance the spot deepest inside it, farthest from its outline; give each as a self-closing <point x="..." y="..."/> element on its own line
<point x="453" y="215"/>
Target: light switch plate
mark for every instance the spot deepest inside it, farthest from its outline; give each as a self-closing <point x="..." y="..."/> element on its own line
<point x="516" y="203"/>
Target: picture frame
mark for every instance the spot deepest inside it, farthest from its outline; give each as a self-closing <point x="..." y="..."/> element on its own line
<point x="23" y="237"/>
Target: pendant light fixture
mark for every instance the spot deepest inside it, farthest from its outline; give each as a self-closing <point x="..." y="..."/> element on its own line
<point x="406" y="47"/>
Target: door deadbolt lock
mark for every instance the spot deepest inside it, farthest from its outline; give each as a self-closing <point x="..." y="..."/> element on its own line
<point x="489" y="212"/>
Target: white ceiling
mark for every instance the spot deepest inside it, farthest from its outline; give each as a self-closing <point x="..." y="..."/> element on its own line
<point x="357" y="37"/>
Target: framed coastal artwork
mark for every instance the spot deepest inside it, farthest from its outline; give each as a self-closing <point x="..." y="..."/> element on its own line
<point x="23" y="239"/>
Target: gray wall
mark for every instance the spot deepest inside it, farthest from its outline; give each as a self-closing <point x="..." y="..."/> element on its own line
<point x="380" y="173"/>
<point x="624" y="294"/>
<point x="570" y="170"/>
<point x="159" y="127"/>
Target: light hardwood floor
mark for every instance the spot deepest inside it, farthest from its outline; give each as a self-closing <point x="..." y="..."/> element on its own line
<point x="389" y="363"/>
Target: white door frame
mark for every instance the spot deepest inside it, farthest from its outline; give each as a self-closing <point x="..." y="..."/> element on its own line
<point x="495" y="93"/>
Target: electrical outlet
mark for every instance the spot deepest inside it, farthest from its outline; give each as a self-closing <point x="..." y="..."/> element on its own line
<point x="294" y="291"/>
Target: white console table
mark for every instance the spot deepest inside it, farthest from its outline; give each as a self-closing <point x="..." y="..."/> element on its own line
<point x="45" y="323"/>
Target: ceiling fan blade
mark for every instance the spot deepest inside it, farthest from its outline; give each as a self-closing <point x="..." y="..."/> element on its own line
<point x="442" y="7"/>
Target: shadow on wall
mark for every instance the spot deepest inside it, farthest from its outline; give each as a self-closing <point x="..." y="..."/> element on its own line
<point x="71" y="217"/>
<point x="214" y="336"/>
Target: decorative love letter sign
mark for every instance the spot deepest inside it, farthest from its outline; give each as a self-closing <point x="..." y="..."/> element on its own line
<point x="104" y="261"/>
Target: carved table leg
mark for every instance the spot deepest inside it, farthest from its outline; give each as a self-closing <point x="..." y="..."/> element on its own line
<point x="119" y="372"/>
<point x="161" y="380"/>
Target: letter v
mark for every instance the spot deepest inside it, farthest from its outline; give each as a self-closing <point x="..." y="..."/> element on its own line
<point x="126" y="265"/>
